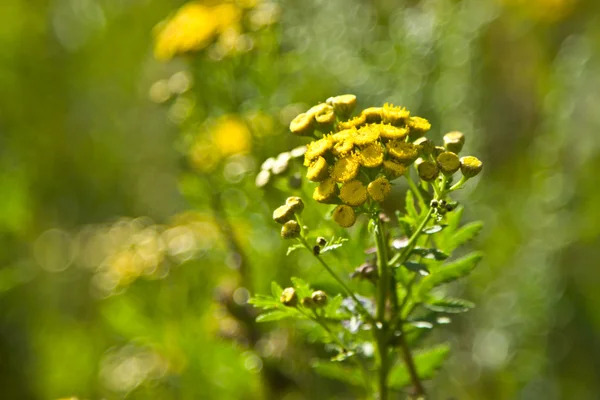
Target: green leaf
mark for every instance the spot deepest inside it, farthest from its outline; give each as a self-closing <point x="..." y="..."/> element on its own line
<point x="450" y="272"/>
<point x="466" y="233"/>
<point x="264" y="302"/>
<point x="433" y="229"/>
<point x="276" y="290"/>
<point x="411" y="211"/>
<point x="302" y="288"/>
<point x="449" y="305"/>
<point x="275" y="315"/>
<point x="419" y="268"/>
<point x="293" y="248"/>
<point x="333" y="244"/>
<point x="437" y="254"/>
<point x="427" y="363"/>
<point x="340" y="372"/>
<point x="406" y="224"/>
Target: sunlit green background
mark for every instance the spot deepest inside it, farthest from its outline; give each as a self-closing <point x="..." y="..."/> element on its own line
<point x="123" y="258"/>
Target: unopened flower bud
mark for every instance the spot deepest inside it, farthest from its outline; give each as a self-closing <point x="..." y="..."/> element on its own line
<point x="318" y="171"/>
<point x="308" y="302"/>
<point x="426" y="146"/>
<point x="433" y="203"/>
<point x="437" y="150"/>
<point x="319" y="297"/>
<point x="283" y="214"/>
<point x="343" y="105"/>
<point x="316" y="250"/>
<point x="321" y="241"/>
<point x="373" y="114"/>
<point x="454" y="141"/>
<point x="427" y="170"/>
<point x="470" y="166"/>
<point x="448" y="162"/>
<point x="344" y="216"/>
<point x="295" y="203"/>
<point x="302" y="125"/>
<point x="290" y="230"/>
<point x="288" y="297"/>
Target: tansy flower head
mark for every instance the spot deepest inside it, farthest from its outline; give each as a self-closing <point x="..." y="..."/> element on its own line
<point x="448" y="162"/>
<point x="454" y="141"/>
<point x="319" y="297"/>
<point x="393" y="169"/>
<point x="345" y="169"/>
<point x="366" y="135"/>
<point x="355" y="122"/>
<point x="344" y="216"/>
<point x="394" y="115"/>
<point x="322" y="113"/>
<point x="373" y="114"/>
<point x="418" y="127"/>
<point x="391" y="132"/>
<point x="425" y="145"/>
<point x="290" y="230"/>
<point x="371" y="156"/>
<point x="427" y="170"/>
<point x="404" y="152"/>
<point x="326" y="192"/>
<point x="343" y="105"/>
<point x="289" y="298"/>
<point x="283" y="214"/>
<point x="302" y="125"/>
<point x="353" y="193"/>
<point x="295" y="203"/>
<point x="379" y="189"/>
<point x="343" y="148"/>
<point x="470" y="166"/>
<point x="316" y="149"/>
<point x="318" y="170"/>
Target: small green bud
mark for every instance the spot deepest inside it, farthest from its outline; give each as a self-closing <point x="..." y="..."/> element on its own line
<point x="427" y="170"/>
<point x="443" y="203"/>
<point x="448" y="162"/>
<point x="316" y="250"/>
<point x="290" y="230"/>
<point x="321" y="241"/>
<point x="454" y="141"/>
<point x="426" y="146"/>
<point x="470" y="166"/>
<point x="319" y="297"/>
<point x="433" y="203"/>
<point x="288" y="297"/>
<point x="343" y="105"/>
<point x="302" y="125"/>
<point x="283" y="214"/>
<point x="295" y="203"/>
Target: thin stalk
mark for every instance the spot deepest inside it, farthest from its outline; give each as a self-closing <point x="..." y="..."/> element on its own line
<point x="410" y="365"/>
<point x="403" y="256"/>
<point x="380" y="332"/>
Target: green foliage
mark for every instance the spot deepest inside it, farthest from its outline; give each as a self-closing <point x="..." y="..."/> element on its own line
<point x="427" y="363"/>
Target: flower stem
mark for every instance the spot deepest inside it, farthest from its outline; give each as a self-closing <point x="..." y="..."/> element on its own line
<point x="381" y="327"/>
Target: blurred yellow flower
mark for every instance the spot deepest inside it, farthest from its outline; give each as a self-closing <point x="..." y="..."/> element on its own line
<point x="231" y="136"/>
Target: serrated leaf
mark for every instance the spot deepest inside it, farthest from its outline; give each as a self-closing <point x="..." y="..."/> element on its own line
<point x="405" y="223"/>
<point x="466" y="233"/>
<point x="450" y="272"/>
<point x="437" y="254"/>
<point x="302" y="288"/>
<point x="419" y="268"/>
<point x="275" y="315"/>
<point x="276" y="290"/>
<point x="333" y="244"/>
<point x="427" y="362"/>
<point x="293" y="248"/>
<point x="449" y="305"/>
<point x="264" y="302"/>
<point x="411" y="211"/>
<point x="338" y="372"/>
<point x="433" y="229"/>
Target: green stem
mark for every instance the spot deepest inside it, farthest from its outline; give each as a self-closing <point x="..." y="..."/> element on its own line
<point x="381" y="327"/>
<point x="415" y="190"/>
<point x="459" y="184"/>
<point x="403" y="256"/>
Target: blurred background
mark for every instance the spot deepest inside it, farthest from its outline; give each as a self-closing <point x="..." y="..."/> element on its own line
<point x="132" y="228"/>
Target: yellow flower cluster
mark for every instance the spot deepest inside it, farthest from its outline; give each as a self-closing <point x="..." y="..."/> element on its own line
<point x="353" y="159"/>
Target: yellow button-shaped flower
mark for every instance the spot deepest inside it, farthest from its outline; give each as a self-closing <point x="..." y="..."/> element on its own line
<point x="353" y="193"/>
<point x="470" y="166"/>
<point x="344" y="216"/>
<point x="403" y="152"/>
<point x="379" y="189"/>
<point x="345" y="169"/>
<point x="318" y="170"/>
<point x="372" y="155"/>
<point x="326" y="192"/>
<point x="448" y="162"/>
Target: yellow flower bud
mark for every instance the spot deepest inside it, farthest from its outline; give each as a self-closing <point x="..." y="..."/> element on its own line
<point x="318" y="170"/>
<point x="425" y="145"/>
<point x="379" y="189"/>
<point x="373" y="114"/>
<point x="403" y="152"/>
<point x="394" y="115"/>
<point x="326" y="192"/>
<point x="295" y="203"/>
<point x="366" y="135"/>
<point x="427" y="170"/>
<point x="393" y="170"/>
<point x="319" y="298"/>
<point x="418" y="127"/>
<point x="355" y="122"/>
<point x="290" y="230"/>
<point x="325" y="115"/>
<point x="353" y="193"/>
<point x="343" y="148"/>
<point x="317" y="148"/>
<point x="345" y="169"/>
<point x="454" y="141"/>
<point x="448" y="162"/>
<point x="470" y="166"/>
<point x="288" y="297"/>
<point x="283" y="214"/>
<point x="343" y="105"/>
<point x="392" y="132"/>
<point x="302" y="125"/>
<point x="371" y="156"/>
<point x="344" y="216"/>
